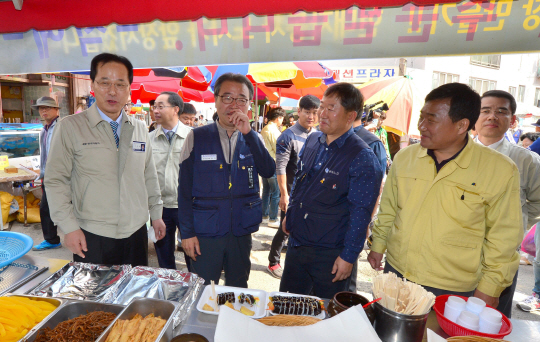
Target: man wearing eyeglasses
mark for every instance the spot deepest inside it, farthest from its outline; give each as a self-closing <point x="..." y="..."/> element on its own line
<point x="218" y="195"/>
<point x="100" y="176"/>
<point x="497" y="115"/>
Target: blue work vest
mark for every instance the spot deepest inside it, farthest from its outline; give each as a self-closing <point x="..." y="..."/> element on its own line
<point x="225" y="197"/>
<point x="318" y="212"/>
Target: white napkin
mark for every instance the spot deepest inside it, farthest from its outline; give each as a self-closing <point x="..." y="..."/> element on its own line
<point x="151" y="234"/>
<point x="351" y="325"/>
<point x="433" y="337"/>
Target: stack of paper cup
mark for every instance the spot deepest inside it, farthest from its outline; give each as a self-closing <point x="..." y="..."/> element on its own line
<point x="475" y="305"/>
<point x="490" y="321"/>
<point x="453" y="307"/>
<point x="468" y="320"/>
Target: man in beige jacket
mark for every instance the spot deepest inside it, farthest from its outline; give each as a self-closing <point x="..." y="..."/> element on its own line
<point x="167" y="141"/>
<point x="100" y="176"/>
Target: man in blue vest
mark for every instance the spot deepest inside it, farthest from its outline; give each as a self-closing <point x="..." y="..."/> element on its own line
<point x="335" y="190"/>
<point x="218" y="193"/>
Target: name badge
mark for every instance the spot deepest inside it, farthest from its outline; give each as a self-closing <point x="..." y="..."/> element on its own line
<point x="208" y="157"/>
<point x="139" y="146"/>
<point x="251" y="183"/>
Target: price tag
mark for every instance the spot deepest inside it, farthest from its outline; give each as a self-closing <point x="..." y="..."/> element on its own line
<point x="4" y="162"/>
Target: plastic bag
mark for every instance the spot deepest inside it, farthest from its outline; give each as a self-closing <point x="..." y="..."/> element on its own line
<point x="528" y="245"/>
<point x="32" y="215"/>
<point x="5" y="199"/>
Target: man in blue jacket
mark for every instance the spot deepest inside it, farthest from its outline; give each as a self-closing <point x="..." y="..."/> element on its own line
<point x="218" y="192"/>
<point x="336" y="187"/>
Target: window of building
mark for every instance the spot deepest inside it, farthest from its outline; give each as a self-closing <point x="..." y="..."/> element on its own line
<point x="521" y="94"/>
<point x="440" y="78"/>
<point x="481" y="86"/>
<point x="512" y="91"/>
<point x="492" y="61"/>
<point x="537" y="97"/>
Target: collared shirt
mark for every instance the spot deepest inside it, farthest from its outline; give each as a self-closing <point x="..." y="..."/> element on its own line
<point x="361" y="178"/>
<point x="288" y="147"/>
<point x="492" y="146"/>
<point x="456" y="229"/>
<point x="45" y="145"/>
<point x="175" y="128"/>
<point x="109" y="120"/>
<point x="270" y="134"/>
<point x="440" y="165"/>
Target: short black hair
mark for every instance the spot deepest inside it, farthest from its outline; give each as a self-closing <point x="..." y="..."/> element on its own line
<point x="504" y="95"/>
<point x="175" y="100"/>
<point x="464" y="101"/>
<point x="232" y="77"/>
<point x="309" y="102"/>
<point x="276" y="113"/>
<point x="532" y="136"/>
<point x="189" y="109"/>
<point x="349" y="96"/>
<point x="151" y="102"/>
<point x="104" y="58"/>
<point x="215" y="116"/>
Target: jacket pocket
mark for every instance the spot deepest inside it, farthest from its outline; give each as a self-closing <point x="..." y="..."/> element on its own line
<point x="457" y="255"/>
<point x="79" y="194"/>
<point x="394" y="238"/>
<point x="211" y="178"/>
<point x="205" y="220"/>
<point x="464" y="206"/>
<point x="322" y="226"/>
<point x="251" y="213"/>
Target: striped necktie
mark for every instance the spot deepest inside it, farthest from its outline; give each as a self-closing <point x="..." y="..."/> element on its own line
<point x="114" y="126"/>
<point x="169" y="136"/>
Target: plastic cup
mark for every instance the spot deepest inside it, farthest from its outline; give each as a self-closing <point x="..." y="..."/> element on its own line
<point x="451" y="313"/>
<point x="475" y="305"/>
<point x="456" y="302"/>
<point x="469" y="320"/>
<point x="490" y="321"/>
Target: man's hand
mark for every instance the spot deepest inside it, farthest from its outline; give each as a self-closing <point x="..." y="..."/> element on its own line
<point x="284" y="227"/>
<point x="191" y="247"/>
<point x="375" y="260"/>
<point x="240" y="121"/>
<point x="491" y="301"/>
<point x="283" y="202"/>
<point x="76" y="242"/>
<point x="159" y="228"/>
<point x="341" y="269"/>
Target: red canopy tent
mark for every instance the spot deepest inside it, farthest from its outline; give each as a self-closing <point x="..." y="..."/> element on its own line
<point x="61" y="14"/>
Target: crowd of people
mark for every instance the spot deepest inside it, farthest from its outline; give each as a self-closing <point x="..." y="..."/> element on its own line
<point x="453" y="209"/>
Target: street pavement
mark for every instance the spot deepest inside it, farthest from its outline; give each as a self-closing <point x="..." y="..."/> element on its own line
<point x="260" y="278"/>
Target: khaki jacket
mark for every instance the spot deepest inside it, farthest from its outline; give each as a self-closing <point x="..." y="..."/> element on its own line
<point x="455" y="230"/>
<point x="93" y="185"/>
<point x="167" y="160"/>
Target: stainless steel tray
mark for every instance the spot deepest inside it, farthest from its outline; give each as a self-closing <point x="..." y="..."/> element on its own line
<point x="145" y="306"/>
<point x="54" y="301"/>
<point x="69" y="310"/>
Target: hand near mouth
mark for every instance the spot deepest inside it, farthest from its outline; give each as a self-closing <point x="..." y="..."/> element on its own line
<point x="240" y="121"/>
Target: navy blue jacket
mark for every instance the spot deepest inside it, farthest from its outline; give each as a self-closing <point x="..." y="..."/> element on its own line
<point x="215" y="198"/>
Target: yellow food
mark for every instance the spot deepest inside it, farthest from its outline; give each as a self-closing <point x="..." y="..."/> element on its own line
<point x="207" y="307"/>
<point x="137" y="329"/>
<point x="20" y="314"/>
<point x="229" y="304"/>
<point x="247" y="311"/>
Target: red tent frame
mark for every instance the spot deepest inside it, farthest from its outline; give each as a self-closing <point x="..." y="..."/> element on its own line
<point x="61" y="14"/>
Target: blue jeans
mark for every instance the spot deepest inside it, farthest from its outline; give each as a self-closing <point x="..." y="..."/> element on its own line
<point x="270" y="197"/>
<point x="536" y="263"/>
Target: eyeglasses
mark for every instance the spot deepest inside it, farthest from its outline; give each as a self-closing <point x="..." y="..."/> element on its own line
<point x="129" y="104"/>
<point x="161" y="107"/>
<point x="106" y="85"/>
<point x="228" y="100"/>
<point x="498" y="111"/>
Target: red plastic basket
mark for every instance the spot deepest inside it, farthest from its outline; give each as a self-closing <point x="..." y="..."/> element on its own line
<point x="454" y="329"/>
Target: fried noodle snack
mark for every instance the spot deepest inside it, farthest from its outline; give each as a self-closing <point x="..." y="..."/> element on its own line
<point x="137" y="329"/>
<point x="85" y="328"/>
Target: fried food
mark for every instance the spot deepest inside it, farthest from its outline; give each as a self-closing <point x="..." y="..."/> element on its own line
<point x="137" y="329"/>
<point x="85" y="328"/>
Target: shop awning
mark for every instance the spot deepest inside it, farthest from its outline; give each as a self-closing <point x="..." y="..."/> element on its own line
<point x="61" y="14"/>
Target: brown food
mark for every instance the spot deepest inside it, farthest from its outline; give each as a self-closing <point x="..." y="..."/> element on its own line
<point x="85" y="328"/>
<point x="11" y="170"/>
<point x="288" y="320"/>
<point x="137" y="329"/>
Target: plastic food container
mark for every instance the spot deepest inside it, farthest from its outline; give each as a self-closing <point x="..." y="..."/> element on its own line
<point x="145" y="306"/>
<point x="72" y="309"/>
<point x="453" y="329"/>
<point x="259" y="308"/>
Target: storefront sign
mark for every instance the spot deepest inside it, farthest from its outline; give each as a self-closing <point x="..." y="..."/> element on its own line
<point x="363" y="74"/>
<point x="445" y="29"/>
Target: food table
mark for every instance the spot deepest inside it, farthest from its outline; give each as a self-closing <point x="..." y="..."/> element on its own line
<point x="48" y="266"/>
<point x="23" y="177"/>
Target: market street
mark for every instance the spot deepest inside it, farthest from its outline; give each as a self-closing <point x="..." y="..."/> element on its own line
<point x="261" y="279"/>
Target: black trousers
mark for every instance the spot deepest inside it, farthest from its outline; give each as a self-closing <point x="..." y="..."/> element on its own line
<point x="132" y="250"/>
<point x="229" y="253"/>
<point x="165" y="247"/>
<point x="506" y="297"/>
<point x="50" y="231"/>
<point x="278" y="242"/>
<point x="437" y="292"/>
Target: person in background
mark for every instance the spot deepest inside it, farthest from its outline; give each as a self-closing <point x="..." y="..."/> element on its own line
<point x="371" y="139"/>
<point x="49" y="111"/>
<point x="101" y="178"/>
<point x="497" y="115"/>
<point x="218" y="194"/>
<point x="450" y="213"/>
<point x="291" y="120"/>
<point x="167" y="141"/>
<point x="202" y="121"/>
<point x="334" y="194"/>
<point x="128" y="106"/>
<point x="288" y="147"/>
<point x="187" y="117"/>
<point x="270" y="193"/>
<point x="527" y="139"/>
<point x="153" y="124"/>
<point x="381" y="133"/>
